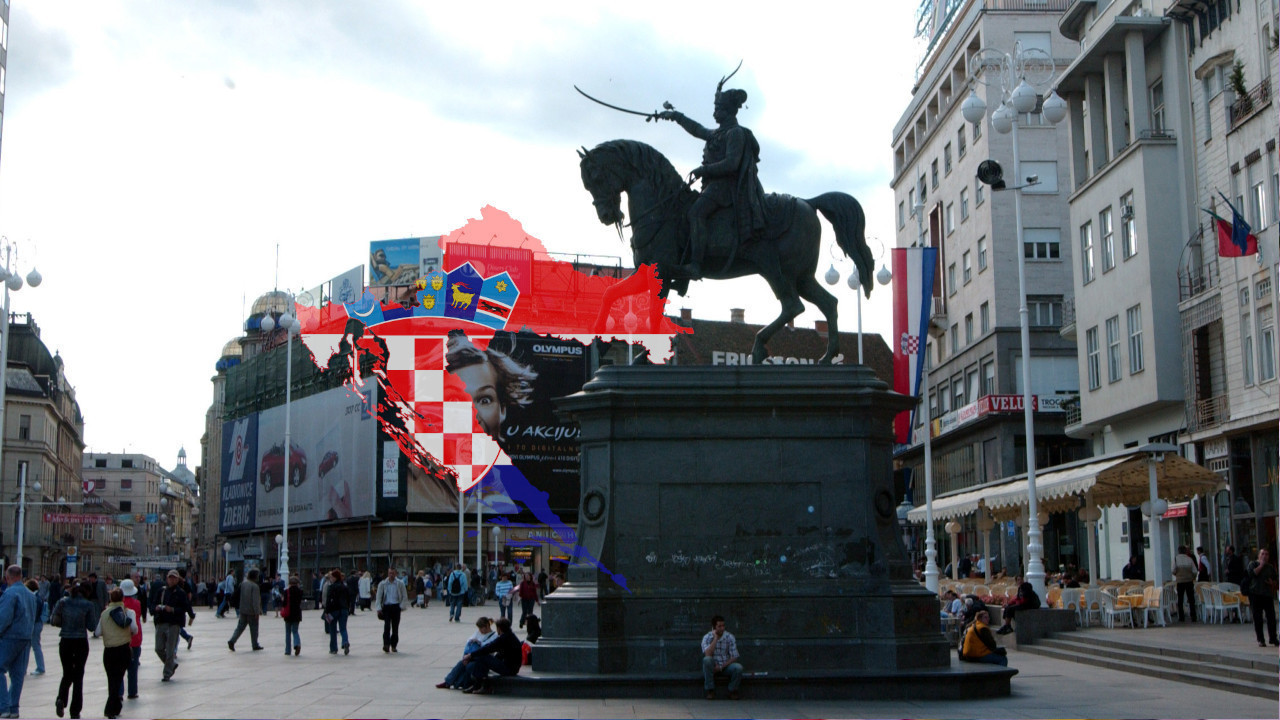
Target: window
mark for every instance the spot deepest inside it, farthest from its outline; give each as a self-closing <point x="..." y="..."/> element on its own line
<point x="960" y="145"/>
<point x="1108" y="240"/>
<point x="1086" y="253"/>
<point x="1266" y="344"/>
<point x="944" y="397"/>
<point x="911" y="201"/>
<point x="902" y="215"/>
<point x="1044" y="311"/>
<point x="4" y="33"/>
<point x="126" y="483"/>
<point x="1258" y="209"/>
<point x="989" y="377"/>
<point x="955" y="338"/>
<point x="968" y="329"/>
<point x="951" y="218"/>
<point x="946" y="159"/>
<point x="86" y="532"/>
<point x="972" y="388"/>
<point x="1157" y="105"/>
<point x="1128" y="228"/>
<point x="126" y="463"/>
<point x="957" y="390"/>
<point x="933" y="174"/>
<point x="951" y="279"/>
<point x="126" y="506"/>
<point x="24" y="427"/>
<point x="964" y="204"/>
<point x="1113" y="349"/>
<point x="1246" y="348"/>
<point x="941" y="347"/>
<point x="1041" y="244"/>
<point x="1091" y="350"/>
<point x="100" y="462"/>
<point x="1046" y="171"/>
<point x="984" y="317"/>
<point x="1135" y="339"/>
<point x="966" y="265"/>
<point x="982" y="254"/>
<point x="100" y="484"/>
<point x="977" y="192"/>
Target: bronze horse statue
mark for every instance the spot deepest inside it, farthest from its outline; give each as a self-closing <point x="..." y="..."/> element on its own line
<point x="658" y="201"/>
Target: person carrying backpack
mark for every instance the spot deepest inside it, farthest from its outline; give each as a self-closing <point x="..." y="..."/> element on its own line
<point x="456" y="585"/>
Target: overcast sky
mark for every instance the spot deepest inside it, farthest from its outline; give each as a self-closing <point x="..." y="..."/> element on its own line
<point x="154" y="154"/>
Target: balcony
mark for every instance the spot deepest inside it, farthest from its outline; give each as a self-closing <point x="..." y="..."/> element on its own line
<point x="1246" y="106"/>
<point x="1209" y="413"/>
<point x="1071" y="411"/>
<point x="1194" y="281"/>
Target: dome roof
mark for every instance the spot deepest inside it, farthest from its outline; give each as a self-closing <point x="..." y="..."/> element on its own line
<point x="275" y="301"/>
<point x="232" y="349"/>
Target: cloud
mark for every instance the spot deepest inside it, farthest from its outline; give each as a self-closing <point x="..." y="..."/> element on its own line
<point x="40" y="56"/>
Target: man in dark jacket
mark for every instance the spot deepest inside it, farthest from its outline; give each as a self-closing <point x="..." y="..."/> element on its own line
<point x="353" y="592"/>
<point x="501" y="655"/>
<point x="99" y="597"/>
<point x="170" y="613"/>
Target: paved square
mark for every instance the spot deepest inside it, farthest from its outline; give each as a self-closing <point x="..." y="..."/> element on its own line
<point x="213" y="682"/>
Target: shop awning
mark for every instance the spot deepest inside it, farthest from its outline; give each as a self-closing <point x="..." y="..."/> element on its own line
<point x="1117" y="479"/>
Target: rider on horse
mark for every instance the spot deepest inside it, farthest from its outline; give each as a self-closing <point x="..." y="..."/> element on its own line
<point x="729" y="178"/>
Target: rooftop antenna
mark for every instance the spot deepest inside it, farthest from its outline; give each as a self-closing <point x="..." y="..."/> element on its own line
<point x="275" y="285"/>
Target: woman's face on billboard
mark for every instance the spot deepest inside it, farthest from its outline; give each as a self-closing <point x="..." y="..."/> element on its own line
<point x="481" y="383"/>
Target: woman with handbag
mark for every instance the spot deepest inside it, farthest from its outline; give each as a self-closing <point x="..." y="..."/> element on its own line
<point x="980" y="645"/>
<point x="291" y="611"/>
<point x="75" y="617"/>
<point x="336" y="601"/>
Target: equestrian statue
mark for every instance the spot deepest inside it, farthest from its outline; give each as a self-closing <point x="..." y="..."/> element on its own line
<point x="732" y="228"/>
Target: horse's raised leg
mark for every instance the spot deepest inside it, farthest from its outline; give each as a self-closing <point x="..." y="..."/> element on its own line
<point x="810" y="289"/>
<point x="791" y="308"/>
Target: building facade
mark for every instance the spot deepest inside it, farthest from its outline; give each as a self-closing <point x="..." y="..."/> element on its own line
<point x="974" y="356"/>
<point x="1161" y="322"/>
<point x="43" y="434"/>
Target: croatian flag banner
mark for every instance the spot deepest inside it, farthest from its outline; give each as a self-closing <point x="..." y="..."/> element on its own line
<point x="913" y="274"/>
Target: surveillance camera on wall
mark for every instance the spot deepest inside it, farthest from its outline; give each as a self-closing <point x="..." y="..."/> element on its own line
<point x="1033" y="179"/>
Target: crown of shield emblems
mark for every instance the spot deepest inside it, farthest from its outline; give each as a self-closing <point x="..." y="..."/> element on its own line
<point x="463" y="294"/>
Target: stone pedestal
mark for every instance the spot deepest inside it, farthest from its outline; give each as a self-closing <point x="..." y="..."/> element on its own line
<point x="763" y="494"/>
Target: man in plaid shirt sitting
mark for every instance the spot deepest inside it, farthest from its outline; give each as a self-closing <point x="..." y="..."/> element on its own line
<point x="720" y="654"/>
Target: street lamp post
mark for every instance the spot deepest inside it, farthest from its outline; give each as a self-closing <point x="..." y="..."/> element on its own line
<point x="226" y="556"/>
<point x="497" y="540"/>
<point x="290" y="326"/>
<point x="930" y="541"/>
<point x="1014" y="77"/>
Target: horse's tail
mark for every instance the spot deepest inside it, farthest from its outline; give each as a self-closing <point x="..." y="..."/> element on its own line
<point x="845" y="215"/>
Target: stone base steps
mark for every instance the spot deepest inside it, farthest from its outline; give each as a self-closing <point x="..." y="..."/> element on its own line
<point x="1257" y="678"/>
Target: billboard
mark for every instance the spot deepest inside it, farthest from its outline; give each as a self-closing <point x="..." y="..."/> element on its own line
<point x="330" y="463"/>
<point x="239" y="474"/>
<point x="543" y="447"/>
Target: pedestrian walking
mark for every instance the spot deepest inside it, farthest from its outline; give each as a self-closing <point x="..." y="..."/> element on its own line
<point x="224" y="595"/>
<point x="353" y="592"/>
<point x="170" y="613"/>
<point x="75" y="618"/>
<point x="99" y="597"/>
<point x="528" y="592"/>
<point x="185" y="583"/>
<point x="365" y="589"/>
<point x="17" y="623"/>
<point x="130" y="591"/>
<point x="503" y="590"/>
<point x="119" y="624"/>
<point x="456" y="586"/>
<point x="38" y="627"/>
<point x="250" y="611"/>
<point x="391" y="596"/>
<point x="292" y="614"/>
<point x="337" y="604"/>
<point x="1260" y="583"/>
